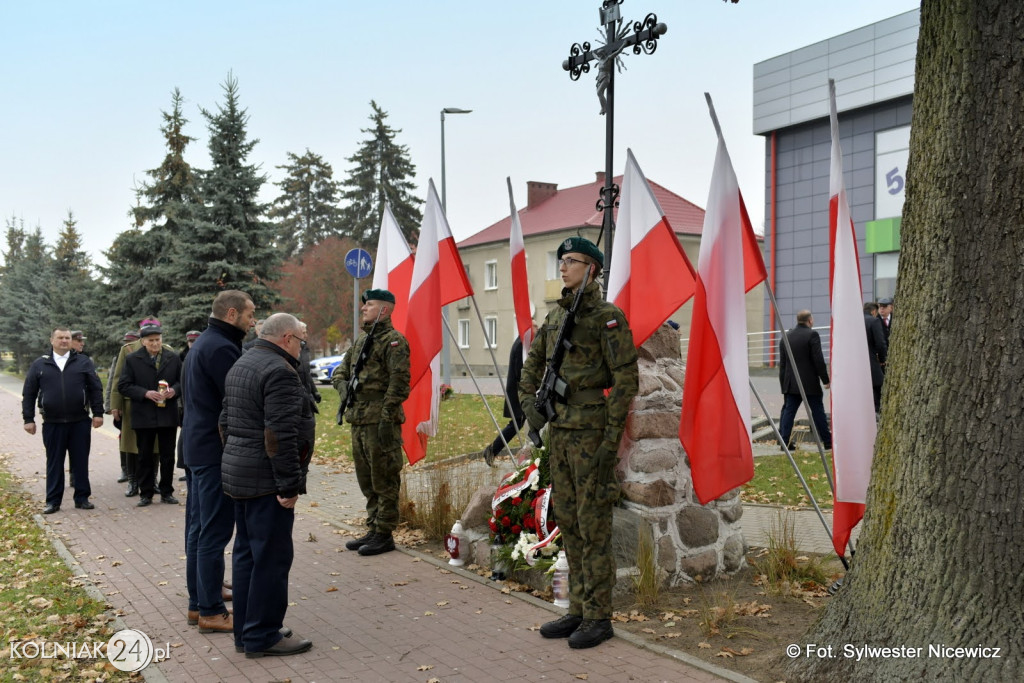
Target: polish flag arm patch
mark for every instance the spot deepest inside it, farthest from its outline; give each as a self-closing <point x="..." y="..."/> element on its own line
<point x="612" y="324"/>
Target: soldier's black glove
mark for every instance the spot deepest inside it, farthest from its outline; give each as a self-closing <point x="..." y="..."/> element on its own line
<point x="533" y="418"/>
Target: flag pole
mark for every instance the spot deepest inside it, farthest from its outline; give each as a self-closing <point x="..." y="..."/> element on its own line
<point x="455" y="345"/>
<point x="497" y="372"/>
<point x="800" y="476"/>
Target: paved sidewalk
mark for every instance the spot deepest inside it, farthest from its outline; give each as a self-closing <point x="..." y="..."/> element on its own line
<point x="395" y="617"/>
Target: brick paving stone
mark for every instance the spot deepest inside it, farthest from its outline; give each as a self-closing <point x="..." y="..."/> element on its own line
<point x="374" y="627"/>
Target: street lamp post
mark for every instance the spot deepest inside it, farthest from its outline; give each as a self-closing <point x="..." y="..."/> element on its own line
<point x="446" y="366"/>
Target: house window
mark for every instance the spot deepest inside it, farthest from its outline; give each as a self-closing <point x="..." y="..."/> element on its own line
<point x="463" y="333"/>
<point x="491" y="275"/>
<point x="491" y="323"/>
<point x="553" y="273"/>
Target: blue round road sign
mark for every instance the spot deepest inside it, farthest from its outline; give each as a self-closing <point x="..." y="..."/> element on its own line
<point x="358" y="263"/>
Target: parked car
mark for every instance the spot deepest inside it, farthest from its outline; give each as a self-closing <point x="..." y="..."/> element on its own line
<point x="321" y="369"/>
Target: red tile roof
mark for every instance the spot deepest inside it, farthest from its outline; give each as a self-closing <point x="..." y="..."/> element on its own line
<point x="576" y="207"/>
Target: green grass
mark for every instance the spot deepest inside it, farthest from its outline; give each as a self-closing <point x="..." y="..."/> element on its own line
<point x="463" y="427"/>
<point x="42" y="601"/>
<point x="776" y="483"/>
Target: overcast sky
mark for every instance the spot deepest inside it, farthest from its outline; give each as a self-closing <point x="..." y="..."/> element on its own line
<point x="83" y="85"/>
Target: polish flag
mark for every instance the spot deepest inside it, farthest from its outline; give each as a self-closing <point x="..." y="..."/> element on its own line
<point x="657" y="278"/>
<point x="394" y="266"/>
<point x="853" y="405"/>
<point x="436" y="260"/>
<point x="715" y="424"/>
<point x="520" y="283"/>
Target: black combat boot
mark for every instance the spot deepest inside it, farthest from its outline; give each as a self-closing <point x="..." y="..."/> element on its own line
<point x="590" y="633"/>
<point x="561" y="628"/>
<point x="357" y="543"/>
<point x="382" y="542"/>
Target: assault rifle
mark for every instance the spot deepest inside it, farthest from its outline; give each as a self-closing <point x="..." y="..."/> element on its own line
<point x="552" y="386"/>
<point x="353" y="382"/>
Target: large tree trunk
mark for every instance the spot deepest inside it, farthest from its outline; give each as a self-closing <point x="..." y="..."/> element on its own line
<point x="941" y="558"/>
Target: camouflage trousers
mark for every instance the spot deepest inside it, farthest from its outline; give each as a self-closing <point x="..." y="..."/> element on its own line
<point x="584" y="491"/>
<point x="379" y="475"/>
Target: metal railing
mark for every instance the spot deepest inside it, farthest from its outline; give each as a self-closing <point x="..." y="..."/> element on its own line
<point x="763" y="347"/>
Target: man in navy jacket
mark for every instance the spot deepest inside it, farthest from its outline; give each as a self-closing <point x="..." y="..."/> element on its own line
<point x="209" y="513"/>
<point x="66" y="384"/>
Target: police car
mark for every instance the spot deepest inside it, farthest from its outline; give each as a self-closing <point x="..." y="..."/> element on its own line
<point x="321" y="369"/>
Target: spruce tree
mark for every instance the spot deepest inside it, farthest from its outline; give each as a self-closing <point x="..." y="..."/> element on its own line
<point x="25" y="295"/>
<point x="230" y="245"/>
<point x="72" y="280"/>
<point x="307" y="209"/>
<point x="168" y="205"/>
<point x="382" y="173"/>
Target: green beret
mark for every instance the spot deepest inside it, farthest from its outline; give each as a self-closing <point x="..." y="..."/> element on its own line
<point x="581" y="245"/>
<point x="378" y="295"/>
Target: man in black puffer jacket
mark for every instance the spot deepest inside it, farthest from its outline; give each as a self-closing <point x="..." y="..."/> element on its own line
<point x="266" y="456"/>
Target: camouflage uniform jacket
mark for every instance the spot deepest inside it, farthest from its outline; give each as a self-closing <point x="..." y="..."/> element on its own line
<point x="602" y="356"/>
<point x="384" y="379"/>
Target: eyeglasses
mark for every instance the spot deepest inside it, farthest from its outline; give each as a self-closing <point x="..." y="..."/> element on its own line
<point x="569" y="262"/>
<point x="302" y="342"/>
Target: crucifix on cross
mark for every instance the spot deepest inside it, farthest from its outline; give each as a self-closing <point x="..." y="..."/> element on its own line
<point x="642" y="36"/>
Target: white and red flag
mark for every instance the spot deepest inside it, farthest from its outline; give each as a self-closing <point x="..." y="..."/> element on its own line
<point x="520" y="283"/>
<point x="438" y="278"/>
<point x="650" y="276"/>
<point x="394" y="266"/>
<point x="853" y="406"/>
<point x="715" y="424"/>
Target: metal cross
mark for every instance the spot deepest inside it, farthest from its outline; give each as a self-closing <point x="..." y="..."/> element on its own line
<point x="642" y="36"/>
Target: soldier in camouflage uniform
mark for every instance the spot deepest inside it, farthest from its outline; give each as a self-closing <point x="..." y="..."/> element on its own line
<point x="376" y="417"/>
<point x="583" y="439"/>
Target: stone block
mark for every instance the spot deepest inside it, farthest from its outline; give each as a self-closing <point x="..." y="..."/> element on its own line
<point x="649" y="382"/>
<point x="651" y="455"/>
<point x="703" y="565"/>
<point x="698" y="526"/>
<point x="664" y="343"/>
<point x="649" y="424"/>
<point x="627" y="526"/>
<point x="675" y="372"/>
<point x="731" y="513"/>
<point x="653" y="494"/>
<point x="733" y="553"/>
<point x="478" y="511"/>
<point x="667" y="554"/>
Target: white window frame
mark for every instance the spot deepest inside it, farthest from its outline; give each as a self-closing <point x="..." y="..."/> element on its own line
<point x="491" y="330"/>
<point x="490" y="275"/>
<point x="553" y="271"/>
<point x="463" y="333"/>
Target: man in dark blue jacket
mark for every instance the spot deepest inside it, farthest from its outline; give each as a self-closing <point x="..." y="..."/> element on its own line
<point x="66" y="384"/>
<point x="209" y="515"/>
<point x="266" y="456"/>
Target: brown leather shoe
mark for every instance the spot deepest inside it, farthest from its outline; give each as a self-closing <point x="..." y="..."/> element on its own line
<point x="218" y="623"/>
<point x="226" y="594"/>
<point x="193" y="617"/>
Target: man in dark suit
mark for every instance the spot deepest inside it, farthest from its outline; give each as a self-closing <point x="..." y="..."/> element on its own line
<point x="810" y="366"/>
<point x="152" y="380"/>
<point x="878" y="351"/>
<point x="885" y="315"/>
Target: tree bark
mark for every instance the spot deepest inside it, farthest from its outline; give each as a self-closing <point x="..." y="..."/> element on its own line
<point x="941" y="557"/>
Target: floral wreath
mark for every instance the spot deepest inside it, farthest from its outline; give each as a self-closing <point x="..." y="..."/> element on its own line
<point x="522" y="522"/>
